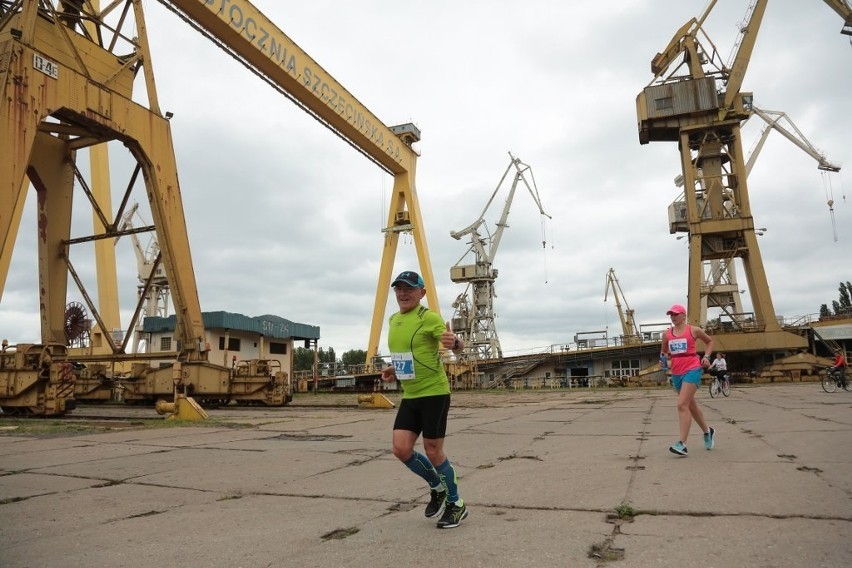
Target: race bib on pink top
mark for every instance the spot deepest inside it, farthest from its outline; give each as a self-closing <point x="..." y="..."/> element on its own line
<point x="678" y="346"/>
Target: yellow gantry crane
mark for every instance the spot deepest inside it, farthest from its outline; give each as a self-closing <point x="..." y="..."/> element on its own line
<point x="629" y="331"/>
<point x="695" y="100"/>
<point x="844" y="10"/>
<point x="67" y="71"/>
<point x="243" y="31"/>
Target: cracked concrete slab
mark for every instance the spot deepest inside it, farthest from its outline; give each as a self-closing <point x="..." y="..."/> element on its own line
<point x="542" y="473"/>
<point x="19" y="486"/>
<point x="732" y="541"/>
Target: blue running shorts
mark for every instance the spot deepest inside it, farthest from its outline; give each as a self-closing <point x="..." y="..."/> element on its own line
<point x="693" y="376"/>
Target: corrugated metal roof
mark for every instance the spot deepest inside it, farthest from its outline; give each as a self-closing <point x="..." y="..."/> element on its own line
<point x="266" y="325"/>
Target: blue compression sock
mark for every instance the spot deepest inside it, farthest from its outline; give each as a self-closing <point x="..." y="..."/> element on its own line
<point x="448" y="476"/>
<point x="420" y="464"/>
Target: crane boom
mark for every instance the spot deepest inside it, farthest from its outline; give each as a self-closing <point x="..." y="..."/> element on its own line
<point x="844" y="10"/>
<point x="683" y="40"/>
<point x="625" y="314"/>
<point x="241" y="29"/>
<point x="773" y="122"/>
<point x="742" y="54"/>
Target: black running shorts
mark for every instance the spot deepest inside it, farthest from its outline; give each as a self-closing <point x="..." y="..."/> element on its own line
<point x="426" y="415"/>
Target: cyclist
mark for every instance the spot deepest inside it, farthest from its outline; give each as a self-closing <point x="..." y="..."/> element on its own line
<point x="719" y="366"/>
<point x="840" y="367"/>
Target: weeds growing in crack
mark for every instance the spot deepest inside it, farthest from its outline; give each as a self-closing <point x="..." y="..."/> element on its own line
<point x="339" y="534"/>
<point x="626" y="512"/>
<point x="229" y="497"/>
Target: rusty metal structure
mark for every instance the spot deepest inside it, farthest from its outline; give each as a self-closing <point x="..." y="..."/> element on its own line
<point x="695" y="100"/>
<point x="67" y="75"/>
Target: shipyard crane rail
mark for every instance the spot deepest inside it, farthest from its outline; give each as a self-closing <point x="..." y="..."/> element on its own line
<point x="625" y="314"/>
<point x="474" y="315"/>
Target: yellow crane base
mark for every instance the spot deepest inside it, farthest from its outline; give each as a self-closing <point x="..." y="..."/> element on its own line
<point x="374" y="400"/>
<point x="183" y="408"/>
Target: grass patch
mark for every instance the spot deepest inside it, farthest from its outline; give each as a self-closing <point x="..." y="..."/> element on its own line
<point x="229" y="497"/>
<point x="626" y="511"/>
<point x="48" y="427"/>
<point x="55" y="427"/>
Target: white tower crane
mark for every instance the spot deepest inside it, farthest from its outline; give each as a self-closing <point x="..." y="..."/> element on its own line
<point x="630" y="336"/>
<point x="474" y="313"/>
<point x="151" y="274"/>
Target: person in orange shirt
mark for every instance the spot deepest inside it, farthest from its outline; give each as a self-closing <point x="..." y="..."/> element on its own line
<point x="840" y="365"/>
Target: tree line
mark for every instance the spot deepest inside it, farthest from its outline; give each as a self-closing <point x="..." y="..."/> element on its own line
<point x="842" y="306"/>
<point x="303" y="359"/>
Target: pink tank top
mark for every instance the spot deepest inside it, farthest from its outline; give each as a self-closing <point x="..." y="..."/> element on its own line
<point x="682" y="351"/>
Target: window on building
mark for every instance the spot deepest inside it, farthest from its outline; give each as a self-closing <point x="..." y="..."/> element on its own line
<point x="165" y="344"/>
<point x="623" y="368"/>
<point x="277" y="348"/>
<point x="664" y="103"/>
<point x="233" y="344"/>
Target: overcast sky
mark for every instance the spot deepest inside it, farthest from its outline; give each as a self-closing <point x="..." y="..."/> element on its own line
<point x="285" y="218"/>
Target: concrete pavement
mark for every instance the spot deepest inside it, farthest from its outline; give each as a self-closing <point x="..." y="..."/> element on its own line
<point x="543" y="474"/>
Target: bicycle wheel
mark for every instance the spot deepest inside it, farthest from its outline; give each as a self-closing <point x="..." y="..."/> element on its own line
<point x="715" y="388"/>
<point x="829" y="384"/>
<point x="726" y="388"/>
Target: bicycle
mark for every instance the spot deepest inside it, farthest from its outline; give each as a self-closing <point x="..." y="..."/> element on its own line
<point x="831" y="380"/>
<point x="720" y="385"/>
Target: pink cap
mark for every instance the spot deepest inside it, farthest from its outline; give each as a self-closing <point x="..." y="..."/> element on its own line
<point x="676" y="309"/>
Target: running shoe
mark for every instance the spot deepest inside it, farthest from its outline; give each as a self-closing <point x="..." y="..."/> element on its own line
<point x="454" y="514"/>
<point x="436" y="504"/>
<point x="708" y="438"/>
<point x="679" y="449"/>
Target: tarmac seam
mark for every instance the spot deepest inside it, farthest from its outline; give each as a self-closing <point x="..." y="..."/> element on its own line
<point x="605" y="551"/>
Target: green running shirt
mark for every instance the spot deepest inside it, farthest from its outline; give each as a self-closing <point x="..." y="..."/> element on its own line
<point x="417" y="335"/>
